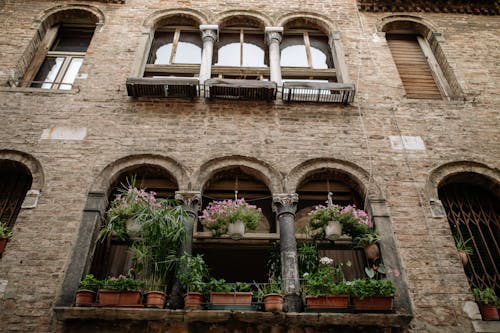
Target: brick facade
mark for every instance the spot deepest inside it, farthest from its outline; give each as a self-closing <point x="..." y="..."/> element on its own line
<point x="281" y="140"/>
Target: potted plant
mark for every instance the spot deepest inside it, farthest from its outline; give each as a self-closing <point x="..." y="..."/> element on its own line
<point x="368" y="242"/>
<point x="85" y="295"/>
<point x="230" y="217"/>
<point x="488" y="303"/>
<point x="270" y="295"/>
<point x="373" y="294"/>
<point x="325" y="288"/>
<point x="192" y="275"/>
<point x="154" y="297"/>
<point x="463" y="249"/>
<point x="229" y="296"/>
<point x="121" y="291"/>
<point x="5" y="235"/>
<point x="332" y="221"/>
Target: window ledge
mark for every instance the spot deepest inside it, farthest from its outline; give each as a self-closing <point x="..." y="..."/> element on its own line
<point x="38" y="91"/>
<point x="481" y="326"/>
<point x="251" y="317"/>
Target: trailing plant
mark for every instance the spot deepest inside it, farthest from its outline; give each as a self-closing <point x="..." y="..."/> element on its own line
<point x="193" y="273"/>
<point x="219" y="214"/>
<point x="89" y="282"/>
<point x="462" y="245"/>
<point x="122" y="283"/>
<point x="366" y="239"/>
<point x="355" y="222"/>
<point x="486" y="296"/>
<point x="5" y="232"/>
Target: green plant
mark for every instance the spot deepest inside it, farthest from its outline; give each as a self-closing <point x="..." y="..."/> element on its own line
<point x="355" y="222"/>
<point x="272" y="287"/>
<point x="193" y="273"/>
<point x="486" y="296"/>
<point x="122" y="283"/>
<point x="327" y="279"/>
<point x="362" y="288"/>
<point x="5" y="232"/>
<point x="89" y="282"/>
<point x="274" y="260"/>
<point x="308" y="258"/>
<point x="366" y="239"/>
<point x="220" y="285"/>
<point x="462" y="245"/>
<point x="219" y="214"/>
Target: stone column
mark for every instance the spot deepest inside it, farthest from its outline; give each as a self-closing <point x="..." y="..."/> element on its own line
<point x="338" y="58"/>
<point x="273" y="39"/>
<point x="81" y="257"/>
<point x="192" y="203"/>
<point x="285" y="206"/>
<point x="209" y="34"/>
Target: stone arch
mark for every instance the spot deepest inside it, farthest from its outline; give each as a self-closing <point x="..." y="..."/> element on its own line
<point x="360" y="178"/>
<point x="52" y="15"/>
<point x="154" y="19"/>
<point x="405" y="22"/>
<point x="320" y="20"/>
<point x="261" y="170"/>
<point x="442" y="173"/>
<point x="31" y="164"/>
<point x="255" y="15"/>
<point x="113" y="170"/>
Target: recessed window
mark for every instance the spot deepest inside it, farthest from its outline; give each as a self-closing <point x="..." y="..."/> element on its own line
<point x="64" y="59"/>
<point x="241" y="48"/>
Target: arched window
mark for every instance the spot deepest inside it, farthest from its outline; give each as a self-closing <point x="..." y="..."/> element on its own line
<point x="241" y="44"/>
<point x="473" y="213"/>
<point x="306" y="53"/>
<point x="176" y="49"/>
<point x="421" y="63"/>
<point x="313" y="191"/>
<point x="112" y="256"/>
<point x="15" y="181"/>
<point x="57" y="61"/>
<point x="248" y="256"/>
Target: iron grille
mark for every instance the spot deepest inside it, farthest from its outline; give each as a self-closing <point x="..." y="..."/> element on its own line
<point x="318" y="92"/>
<point x="473" y="213"/>
<point x="163" y="87"/>
<point x="252" y="90"/>
<point x="15" y="181"/>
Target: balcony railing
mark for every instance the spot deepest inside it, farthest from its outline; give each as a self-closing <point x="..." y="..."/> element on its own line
<point x="163" y="87"/>
<point x="308" y="91"/>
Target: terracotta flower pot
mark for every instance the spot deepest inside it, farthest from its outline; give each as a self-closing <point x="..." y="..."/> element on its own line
<point x="193" y="301"/>
<point x="231" y="298"/>
<point x="464" y="257"/>
<point x="3" y="244"/>
<point x="85" y="297"/>
<point x="154" y="299"/>
<point x="119" y="298"/>
<point x="327" y="302"/>
<point x="372" y="251"/>
<point x="374" y="303"/>
<point x="489" y="312"/>
<point x="273" y="302"/>
<point x="333" y="230"/>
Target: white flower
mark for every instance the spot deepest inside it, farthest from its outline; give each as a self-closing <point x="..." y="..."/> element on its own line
<point x="305" y="275"/>
<point x="326" y="261"/>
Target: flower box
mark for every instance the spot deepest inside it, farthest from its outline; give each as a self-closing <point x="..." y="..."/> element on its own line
<point x="231" y="301"/>
<point x="373" y="304"/>
<point x="117" y="298"/>
<point x="329" y="303"/>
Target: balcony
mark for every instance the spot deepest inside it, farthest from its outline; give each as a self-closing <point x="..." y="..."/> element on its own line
<point x="318" y="92"/>
<point x="252" y="90"/>
<point x="175" y="87"/>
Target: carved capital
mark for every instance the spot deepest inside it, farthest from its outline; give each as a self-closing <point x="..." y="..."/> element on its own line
<point x="285" y="203"/>
<point x="190" y="199"/>
<point x="209" y="33"/>
<point x="273" y="34"/>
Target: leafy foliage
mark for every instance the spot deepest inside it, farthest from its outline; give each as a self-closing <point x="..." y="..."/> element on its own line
<point x="193" y="273"/>
<point x="308" y="257"/>
<point x="462" y="245"/>
<point x="362" y="288"/>
<point x="122" y="283"/>
<point x="89" y="282"/>
<point x="327" y="279"/>
<point x="5" y="232"/>
<point x="486" y="296"/>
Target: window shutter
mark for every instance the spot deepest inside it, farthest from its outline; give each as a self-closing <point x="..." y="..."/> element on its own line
<point x="413" y="67"/>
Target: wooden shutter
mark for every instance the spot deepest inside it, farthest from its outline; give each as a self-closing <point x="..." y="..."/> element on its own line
<point x="413" y="67"/>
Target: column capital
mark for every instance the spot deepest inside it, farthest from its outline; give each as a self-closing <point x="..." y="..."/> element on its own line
<point x="285" y="203"/>
<point x="190" y="199"/>
<point x="273" y="34"/>
<point x="209" y="32"/>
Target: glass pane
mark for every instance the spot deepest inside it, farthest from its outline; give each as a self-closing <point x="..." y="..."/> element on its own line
<point x="73" y="39"/>
<point x="71" y="73"/>
<point x="228" y="53"/>
<point x="294" y="56"/>
<point x="188" y="48"/>
<point x="161" y="48"/>
<point x="48" y="72"/>
<point x="320" y="52"/>
<point x="254" y="54"/>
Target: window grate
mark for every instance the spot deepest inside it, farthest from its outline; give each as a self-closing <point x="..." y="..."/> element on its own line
<point x="318" y="92"/>
<point x="473" y="213"/>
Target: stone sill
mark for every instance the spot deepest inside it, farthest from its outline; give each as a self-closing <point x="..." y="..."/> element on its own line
<point x="39" y="91"/>
<point x="481" y="326"/>
<point x="209" y="316"/>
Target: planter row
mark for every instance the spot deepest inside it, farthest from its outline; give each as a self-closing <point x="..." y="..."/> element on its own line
<point x="344" y="303"/>
<point x="114" y="298"/>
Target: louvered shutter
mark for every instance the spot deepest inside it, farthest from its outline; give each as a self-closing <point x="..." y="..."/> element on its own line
<point x="413" y="67"/>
